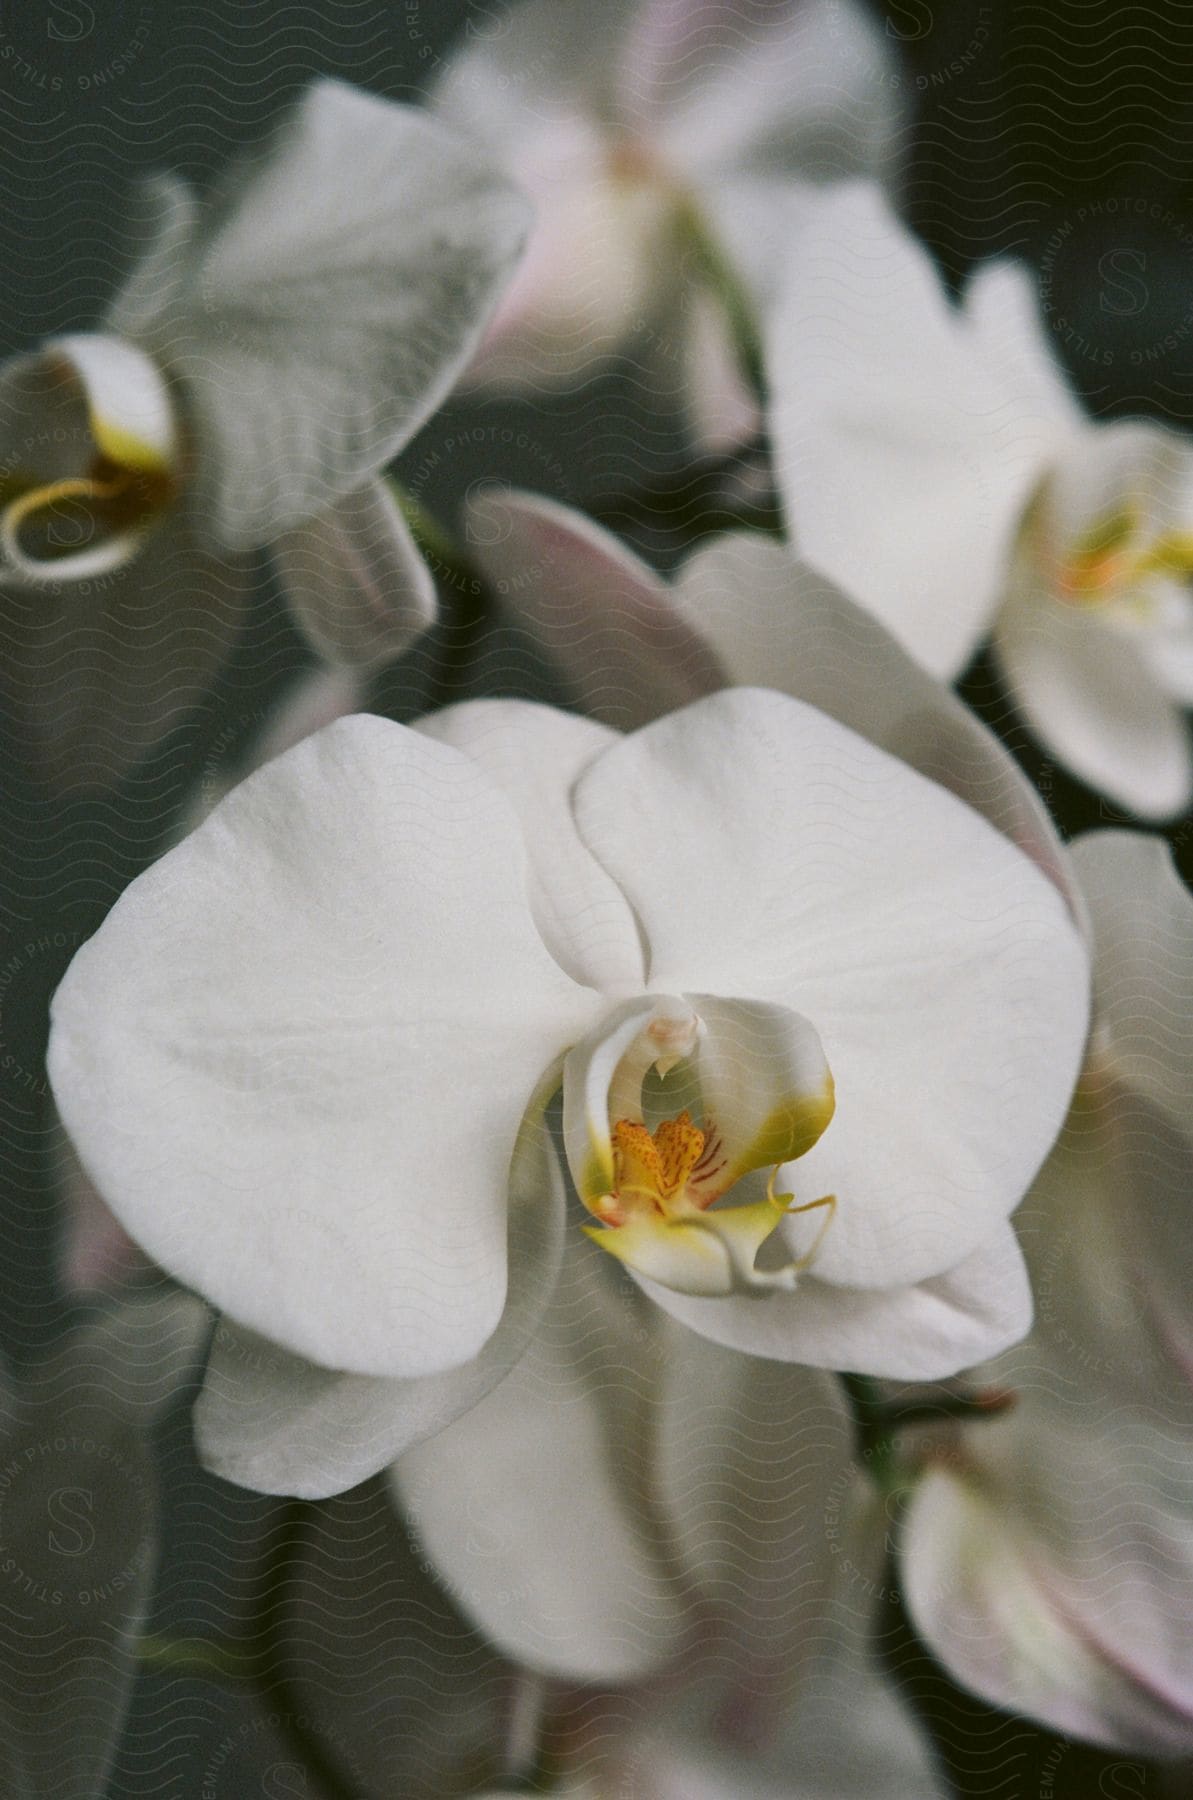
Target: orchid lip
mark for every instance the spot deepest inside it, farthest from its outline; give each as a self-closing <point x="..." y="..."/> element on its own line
<point x="112" y="506"/>
<point x="672" y="1103"/>
<point x="92" y="521"/>
<point x="1110" y="565"/>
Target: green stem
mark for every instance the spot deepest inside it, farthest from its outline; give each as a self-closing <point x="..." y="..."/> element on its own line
<point x="986" y="1405"/>
<point x="447" y="559"/>
<point x="719" y="273"/>
<point x="877" y="1422"/>
<point x="874" y="1433"/>
<point x="198" y="1656"/>
<point x="319" y="1759"/>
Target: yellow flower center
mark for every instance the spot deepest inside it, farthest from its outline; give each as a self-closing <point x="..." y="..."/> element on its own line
<point x="652" y="1168"/>
<point x="1112" y="562"/>
<point x="632" y="162"/>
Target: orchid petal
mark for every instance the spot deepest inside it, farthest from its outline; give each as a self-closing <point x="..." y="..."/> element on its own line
<point x="1090" y="696"/>
<point x="275" y="1423"/>
<point x="948" y="985"/>
<point x="296" y="1056"/>
<point x="1168" y="651"/>
<point x="355" y="579"/>
<point x="722" y="411"/>
<point x="1142" y="917"/>
<point x="604" y="616"/>
<point x="526" y="1505"/>
<point x="743" y="610"/>
<point x="765" y="1087"/>
<point x="1127" y="466"/>
<point x="130" y="411"/>
<point x="903" y="463"/>
<point x="542" y="61"/>
<point x="804" y="86"/>
<point x="165" y="218"/>
<point x="589" y="1070"/>
<point x="749" y="1454"/>
<point x="1056" y="1580"/>
<point x="1002" y="308"/>
<point x="925" y="1332"/>
<point x="973" y="1599"/>
<point x="1106" y="1234"/>
<point x="592" y="269"/>
<point x="534" y="755"/>
<point x="95" y="1251"/>
<point x="1106" y="1226"/>
<point x="323" y="323"/>
<point x="774" y="622"/>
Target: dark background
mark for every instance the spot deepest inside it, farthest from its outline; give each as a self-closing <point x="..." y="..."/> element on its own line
<point x="1059" y="132"/>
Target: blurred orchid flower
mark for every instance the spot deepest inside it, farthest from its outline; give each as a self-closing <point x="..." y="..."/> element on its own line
<point x="793" y="1704"/>
<point x="657" y="139"/>
<point x="658" y="1534"/>
<point x="766" y="962"/>
<point x="636" y="1505"/>
<point x="846" y="1736"/>
<point x="933" y="460"/>
<point x="1048" y="1554"/>
<point x="265" y="359"/>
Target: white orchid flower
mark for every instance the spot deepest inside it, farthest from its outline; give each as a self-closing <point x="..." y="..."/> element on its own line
<point x="846" y="1737"/>
<point x="933" y="459"/>
<point x="646" y="132"/>
<point x="633" y="1503"/>
<point x="1048" y="1554"/>
<point x="836" y="1728"/>
<point x="657" y="1532"/>
<point x="851" y="1740"/>
<point x="304" y="1057"/>
<point x="267" y="356"/>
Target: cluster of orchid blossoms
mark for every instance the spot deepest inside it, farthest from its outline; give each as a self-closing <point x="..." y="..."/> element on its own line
<point x="591" y="1117"/>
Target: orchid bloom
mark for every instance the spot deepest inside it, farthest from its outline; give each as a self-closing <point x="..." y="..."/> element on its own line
<point x="661" y="1537"/>
<point x="1048" y="1554"/>
<point x="264" y="360"/>
<point x="836" y="1729"/>
<point x="657" y="138"/>
<point x="844" y="1735"/>
<point x="933" y="459"/>
<point x="816" y="1024"/>
<point x="636" y="1505"/>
